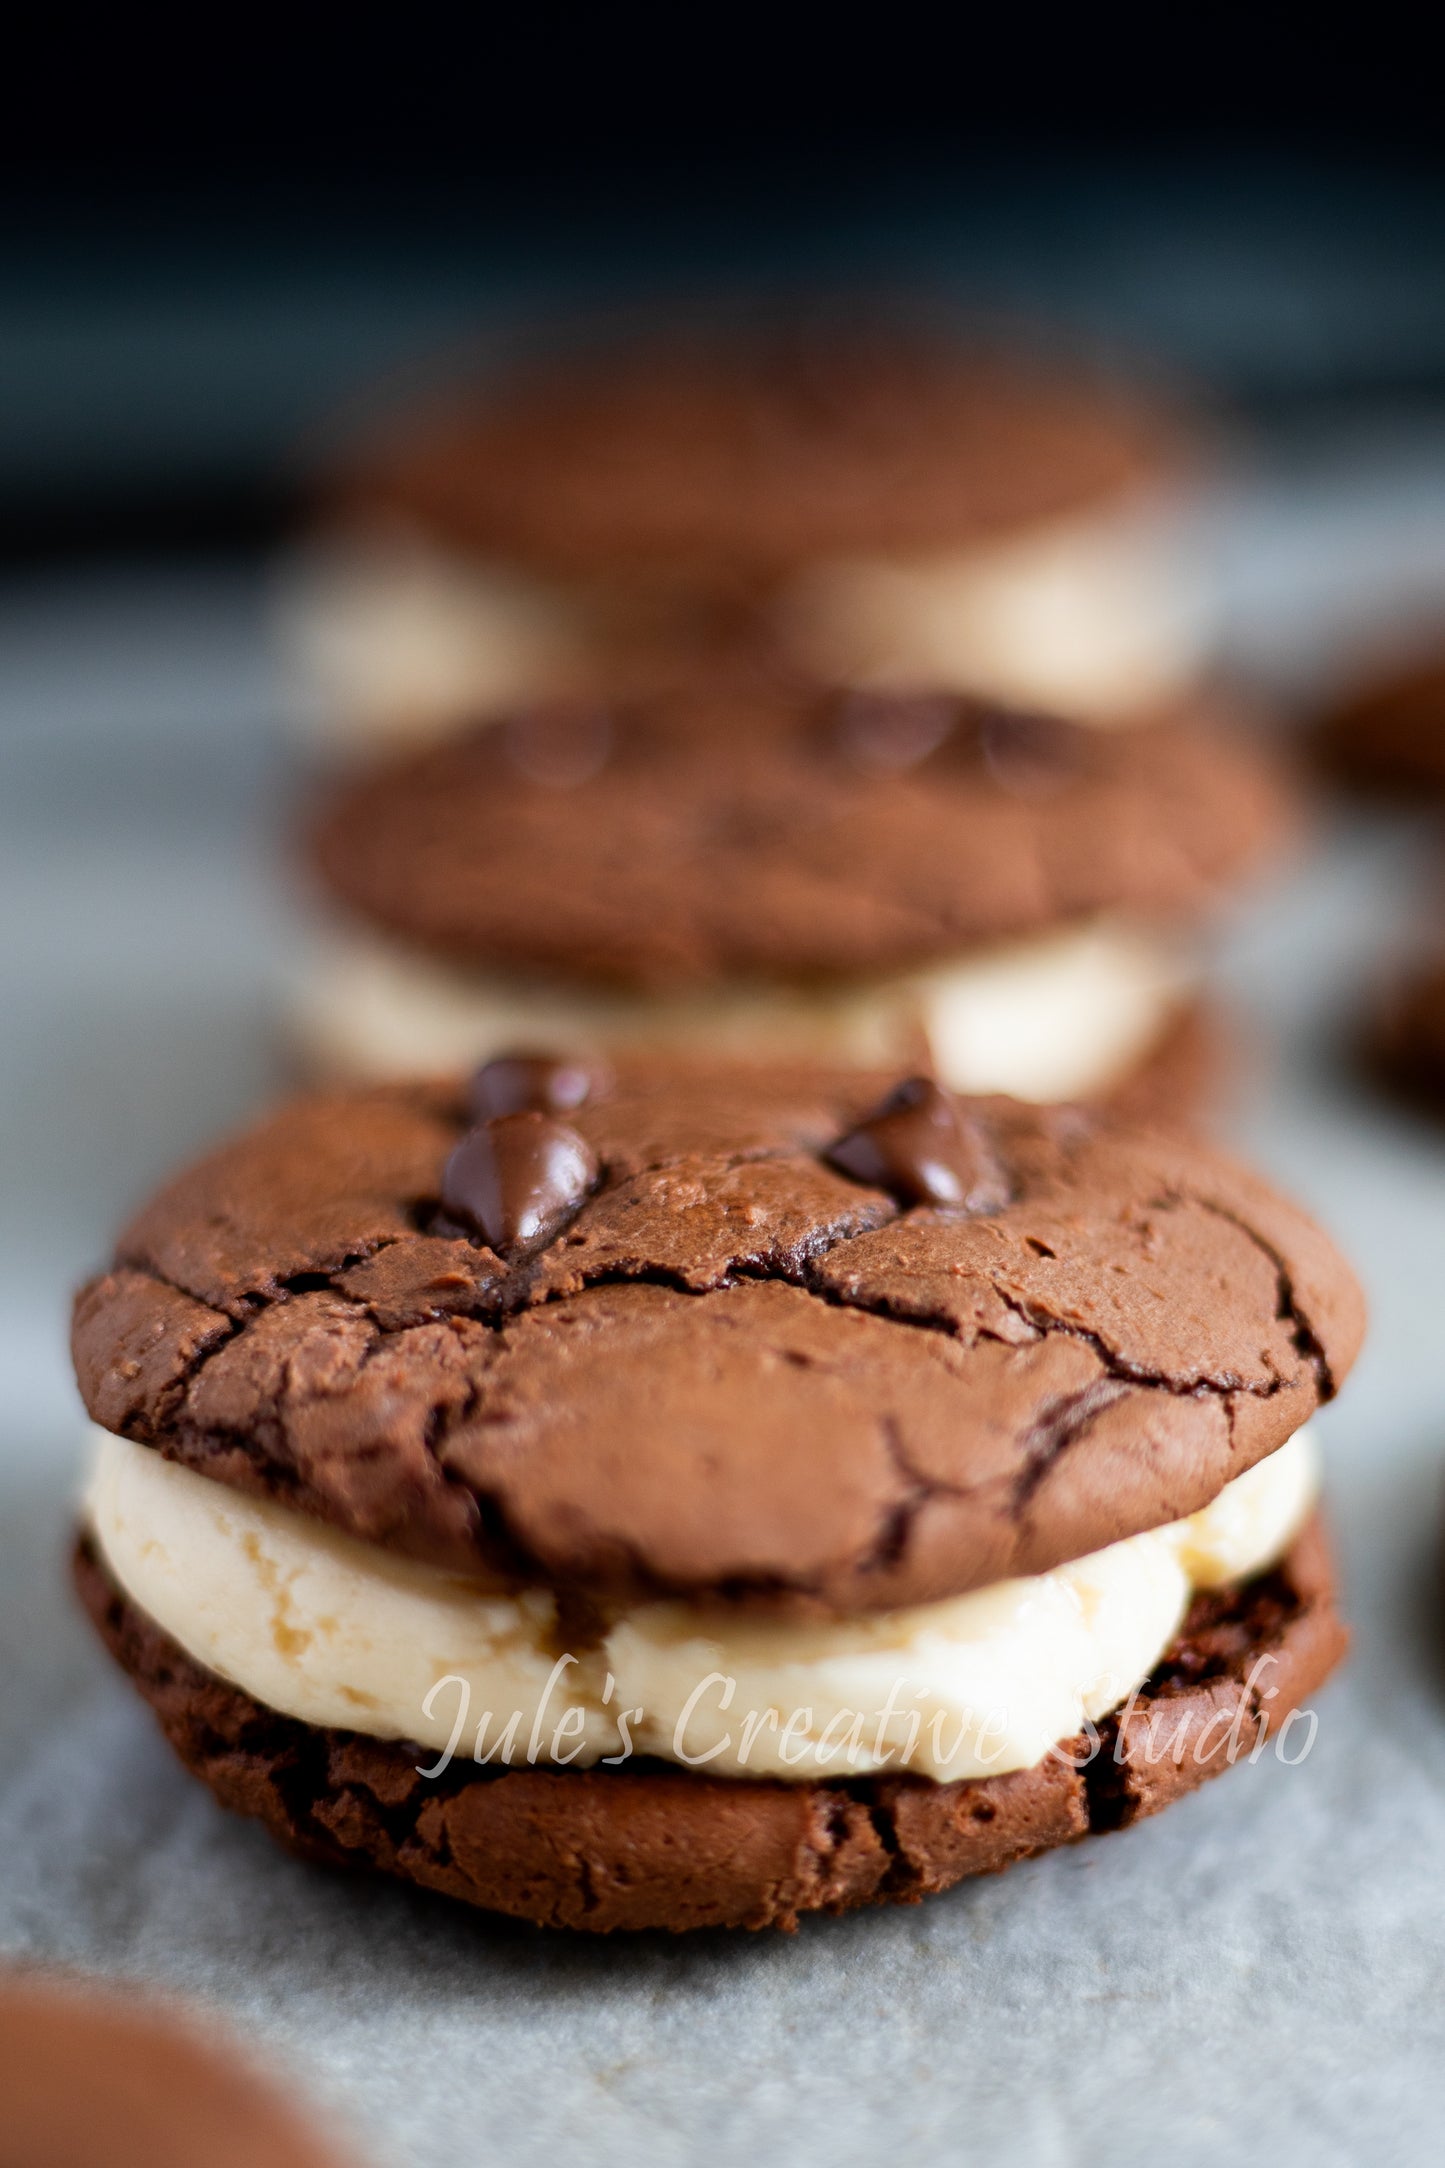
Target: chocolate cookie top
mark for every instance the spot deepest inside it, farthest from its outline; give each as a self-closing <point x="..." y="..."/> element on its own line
<point x="749" y="826"/>
<point x="1389" y="735"/>
<point x="789" y="1336"/>
<point x="735" y="459"/>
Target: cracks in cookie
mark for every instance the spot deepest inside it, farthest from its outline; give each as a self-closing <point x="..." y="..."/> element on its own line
<point x="1108" y="1800"/>
<point x="891" y="1543"/>
<point x="441" y="1844"/>
<point x="795" y="1266"/>
<point x="836" y="1819"/>
<point x="901" y="1873"/>
<point x="788" y="1262"/>
<point x="1127" y="1373"/>
<point x="172" y="1399"/>
<point x="614" y="1274"/>
<point x="253" y="1305"/>
<point x="882" y="1306"/>
<point x="1288" y="1311"/>
<point x="1055" y="1429"/>
<point x="1060" y="1424"/>
<point x="308" y="1283"/>
<point x="494" y="1537"/>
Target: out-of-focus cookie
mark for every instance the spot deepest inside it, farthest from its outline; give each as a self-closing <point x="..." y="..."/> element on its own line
<point x="752" y="866"/>
<point x="88" y="2077"/>
<point x="888" y="504"/>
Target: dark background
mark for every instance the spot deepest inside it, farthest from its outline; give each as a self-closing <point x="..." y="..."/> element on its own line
<point x="211" y="242"/>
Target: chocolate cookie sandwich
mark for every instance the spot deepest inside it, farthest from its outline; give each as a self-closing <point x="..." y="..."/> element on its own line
<point x="87" y="2077"/>
<point x="672" y="1499"/>
<point x="744" y="864"/>
<point x="889" y="505"/>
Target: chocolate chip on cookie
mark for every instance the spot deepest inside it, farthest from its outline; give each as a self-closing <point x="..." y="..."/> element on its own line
<point x="923" y="1147"/>
<point x="518" y="1180"/>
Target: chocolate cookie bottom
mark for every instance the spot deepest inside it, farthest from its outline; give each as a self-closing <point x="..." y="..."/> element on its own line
<point x="651" y="1846"/>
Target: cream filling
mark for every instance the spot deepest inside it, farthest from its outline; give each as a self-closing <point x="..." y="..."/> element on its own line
<point x="1092" y="619"/>
<point x="1058" y="1017"/>
<point x="392" y="640"/>
<point x="336" y="1632"/>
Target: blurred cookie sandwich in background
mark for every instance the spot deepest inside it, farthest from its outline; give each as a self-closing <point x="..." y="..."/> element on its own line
<point x="748" y="865"/>
<point x="889" y="503"/>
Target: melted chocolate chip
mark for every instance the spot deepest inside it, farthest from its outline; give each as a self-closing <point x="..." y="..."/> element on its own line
<point x="886" y="733"/>
<point x="922" y="1147"/>
<point x="517" y="1180"/>
<point x="534" y="1084"/>
<point x="561" y="745"/>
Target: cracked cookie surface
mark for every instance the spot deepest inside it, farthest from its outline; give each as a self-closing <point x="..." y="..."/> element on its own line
<point x="736" y="1373"/>
<point x="726" y="834"/>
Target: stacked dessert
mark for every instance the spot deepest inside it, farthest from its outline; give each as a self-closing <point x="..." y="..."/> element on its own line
<point x="672" y="1498"/>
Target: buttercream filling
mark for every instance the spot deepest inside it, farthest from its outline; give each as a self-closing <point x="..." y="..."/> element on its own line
<point x="334" y="1632"/>
<point x="393" y="640"/>
<point x="1089" y="619"/>
<point x="1060" y="1016"/>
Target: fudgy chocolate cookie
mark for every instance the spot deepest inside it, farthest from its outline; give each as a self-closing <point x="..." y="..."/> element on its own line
<point x="857" y="1396"/>
<point x="779" y="1415"/>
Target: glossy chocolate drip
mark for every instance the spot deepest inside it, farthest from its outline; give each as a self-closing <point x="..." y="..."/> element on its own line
<point x="923" y="1148"/>
<point x="517" y="1180"/>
